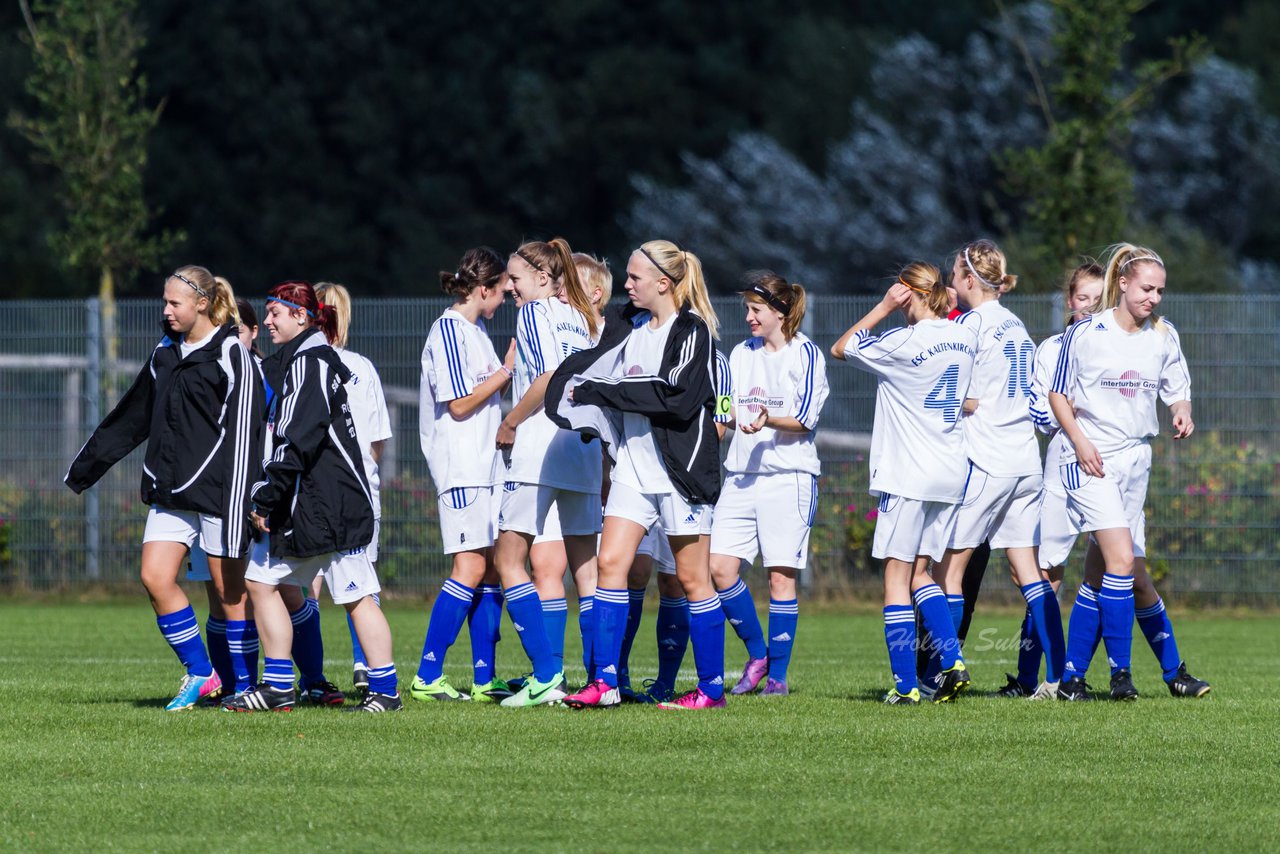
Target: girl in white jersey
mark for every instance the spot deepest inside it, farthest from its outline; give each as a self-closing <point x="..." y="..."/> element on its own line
<point x="918" y="467"/>
<point x="770" y="495"/>
<point x="460" y="399"/>
<point x="649" y="389"/>
<point x="1111" y="368"/>
<point x="548" y="466"/>
<point x="373" y="425"/>
<point x="1003" y="495"/>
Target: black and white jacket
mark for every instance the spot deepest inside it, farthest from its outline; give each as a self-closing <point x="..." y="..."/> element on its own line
<point x="313" y="490"/>
<point x="202" y="420"/>
<point x="680" y="401"/>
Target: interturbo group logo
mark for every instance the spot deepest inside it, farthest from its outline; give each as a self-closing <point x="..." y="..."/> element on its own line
<point x="1129" y="383"/>
<point x="758" y="399"/>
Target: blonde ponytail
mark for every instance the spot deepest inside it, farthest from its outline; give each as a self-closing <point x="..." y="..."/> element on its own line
<point x="1120" y="260"/>
<point x="339" y="298"/>
<point x="573" y="289"/>
<point x="684" y="269"/>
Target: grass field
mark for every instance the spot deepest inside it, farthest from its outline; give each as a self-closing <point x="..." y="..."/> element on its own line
<point x="90" y="760"/>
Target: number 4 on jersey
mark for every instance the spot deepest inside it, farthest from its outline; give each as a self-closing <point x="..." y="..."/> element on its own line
<point x="946" y="395"/>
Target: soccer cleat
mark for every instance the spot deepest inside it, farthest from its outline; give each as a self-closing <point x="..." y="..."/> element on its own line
<point x="1012" y="688"/>
<point x="519" y="682"/>
<point x="216" y="697"/>
<point x="627" y="693"/>
<point x="535" y="693"/>
<point x="321" y="694"/>
<point x="695" y="700"/>
<point x="927" y="691"/>
<point x="911" y="698"/>
<point x="1122" y="686"/>
<point x="437" y="690"/>
<point x="1045" y="691"/>
<point x="1186" y="685"/>
<point x="192" y="690"/>
<point x="493" y="691"/>
<point x="951" y="683"/>
<point x="360" y="680"/>
<point x="1074" y="690"/>
<point x="261" y="698"/>
<point x="596" y="695"/>
<point x="775" y="688"/>
<point x="655" y="692"/>
<point x="752" y="672"/>
<point x="377" y="703"/>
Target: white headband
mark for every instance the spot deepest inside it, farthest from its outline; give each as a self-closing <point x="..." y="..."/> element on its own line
<point x="969" y="264"/>
<point x="1141" y="258"/>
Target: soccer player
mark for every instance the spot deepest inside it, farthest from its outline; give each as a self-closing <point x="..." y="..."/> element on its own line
<point x="1003" y="494"/>
<point x="648" y="388"/>
<point x="314" y="502"/>
<point x="548" y="466"/>
<point x="198" y="404"/>
<point x="770" y="495"/>
<point x="918" y="465"/>
<point x="460" y="406"/>
<point x="1108" y="374"/>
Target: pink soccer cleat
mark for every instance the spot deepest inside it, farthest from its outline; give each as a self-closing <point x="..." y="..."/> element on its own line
<point x="752" y="672"/>
<point x="694" y="701"/>
<point x="597" y="695"/>
<point x="775" y="688"/>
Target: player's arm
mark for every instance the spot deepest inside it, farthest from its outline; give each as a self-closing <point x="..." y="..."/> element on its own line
<point x="464" y="407"/>
<point x="1183" y="426"/>
<point x="897" y="297"/>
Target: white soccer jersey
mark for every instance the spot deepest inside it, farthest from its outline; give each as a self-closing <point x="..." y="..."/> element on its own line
<point x="917" y="449"/>
<point x="458" y="356"/>
<point x="790" y="382"/>
<point x="1112" y="376"/>
<point x="1042" y="414"/>
<point x="369" y="411"/>
<point x="548" y="330"/>
<point x="999" y="436"/>
<point x="640" y="464"/>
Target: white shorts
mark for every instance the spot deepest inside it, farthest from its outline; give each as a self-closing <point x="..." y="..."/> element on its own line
<point x="907" y="528"/>
<point x="655" y="545"/>
<point x="350" y="576"/>
<point x="198" y="564"/>
<point x="1058" y="534"/>
<point x="678" y="517"/>
<point x="766" y="514"/>
<point x="551" y="528"/>
<point x="525" y="507"/>
<point x="468" y="518"/>
<point x="1004" y="511"/>
<point x="1113" y="501"/>
<point x="184" y="526"/>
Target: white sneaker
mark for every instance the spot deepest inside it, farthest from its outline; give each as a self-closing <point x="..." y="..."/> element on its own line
<point x="1045" y="691"/>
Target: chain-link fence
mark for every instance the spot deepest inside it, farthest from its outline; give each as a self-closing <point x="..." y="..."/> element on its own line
<point x="1212" y="521"/>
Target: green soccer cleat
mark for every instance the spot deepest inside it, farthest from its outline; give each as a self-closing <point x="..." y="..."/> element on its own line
<point x="437" y="690"/>
<point x="535" y="693"/>
<point x="493" y="691"/>
<point x="911" y="698"/>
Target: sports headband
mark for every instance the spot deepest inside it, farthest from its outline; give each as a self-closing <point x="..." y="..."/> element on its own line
<point x="916" y="288"/>
<point x="1126" y="263"/>
<point x="201" y="291"/>
<point x="969" y="264"/>
<point x="661" y="269"/>
<point x="532" y="263"/>
<point x="773" y="301"/>
<point x="309" y="312"/>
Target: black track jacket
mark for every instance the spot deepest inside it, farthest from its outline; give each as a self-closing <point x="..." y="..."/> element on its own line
<point x="202" y="419"/>
<point x="313" y="490"/>
<point x="680" y="401"/>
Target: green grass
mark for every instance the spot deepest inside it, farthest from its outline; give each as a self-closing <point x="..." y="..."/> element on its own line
<point x="90" y="760"/>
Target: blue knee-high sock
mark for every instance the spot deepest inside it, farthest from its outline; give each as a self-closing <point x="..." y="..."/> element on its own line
<point x="1115" y="602"/>
<point x="182" y="632"/>
<point x="740" y="610"/>
<point x="241" y="645"/>
<point x="932" y="604"/>
<point x="706" y="634"/>
<point x="784" y="615"/>
<point x="1029" y="652"/>
<point x="525" y="609"/>
<point x="1157" y="629"/>
<point x="1046" y="622"/>
<point x="555" y="617"/>
<point x="382" y="680"/>
<point x="610" y="610"/>
<point x="587" y="628"/>
<point x="252" y="648"/>
<point x="447" y="613"/>
<point x="278" y="673"/>
<point x="1084" y="629"/>
<point x="635" y="610"/>
<point x="673" y="639"/>
<point x="900" y="638"/>
<point x="357" y="651"/>
<point x="484" y="621"/>
<point x="215" y="635"/>
<point x="955" y="607"/>
<point x="308" y="645"/>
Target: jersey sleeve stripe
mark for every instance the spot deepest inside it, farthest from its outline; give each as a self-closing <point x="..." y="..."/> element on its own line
<point x="1060" y="373"/>
<point x="535" y="344"/>
<point x="810" y="353"/>
<point x="453" y="358"/>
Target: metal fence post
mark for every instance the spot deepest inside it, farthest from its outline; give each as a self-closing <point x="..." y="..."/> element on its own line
<point x="93" y="397"/>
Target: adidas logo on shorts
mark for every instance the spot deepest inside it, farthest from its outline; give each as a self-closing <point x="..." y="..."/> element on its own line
<point x="351" y="587"/>
<point x="691" y="518"/>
